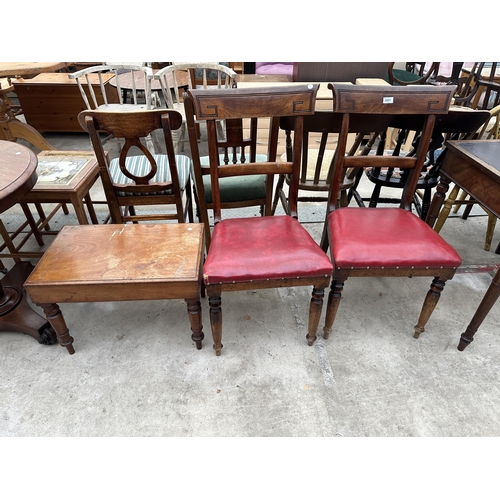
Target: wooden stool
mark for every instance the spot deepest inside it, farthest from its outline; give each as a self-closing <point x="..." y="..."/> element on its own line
<point x="116" y="262"/>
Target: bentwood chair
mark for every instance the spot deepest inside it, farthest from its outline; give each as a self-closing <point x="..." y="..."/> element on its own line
<point x="177" y="78"/>
<point x="138" y="178"/>
<point x="386" y="241"/>
<point x="254" y="190"/>
<point x="258" y="252"/>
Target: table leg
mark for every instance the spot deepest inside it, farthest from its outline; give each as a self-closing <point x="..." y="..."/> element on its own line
<point x="16" y="315"/>
<point x="486" y="304"/>
<point x="194" y="313"/>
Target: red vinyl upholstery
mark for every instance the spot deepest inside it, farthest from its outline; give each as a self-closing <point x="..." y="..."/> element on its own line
<point x="386" y="238"/>
<point x="263" y="248"/>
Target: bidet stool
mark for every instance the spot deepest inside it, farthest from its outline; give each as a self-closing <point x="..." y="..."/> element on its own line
<point x="120" y="262"/>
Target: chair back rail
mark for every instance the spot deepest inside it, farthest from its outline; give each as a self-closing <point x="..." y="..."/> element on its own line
<point x="424" y="100"/>
<point x="238" y="104"/>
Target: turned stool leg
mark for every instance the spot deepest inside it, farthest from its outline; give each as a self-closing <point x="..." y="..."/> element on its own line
<point x="194" y="313"/>
<point x="56" y="319"/>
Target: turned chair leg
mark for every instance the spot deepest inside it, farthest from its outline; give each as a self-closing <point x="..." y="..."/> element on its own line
<point x="332" y="307"/>
<point x="314" y="313"/>
<point x="430" y="302"/>
<point x="214" y="303"/>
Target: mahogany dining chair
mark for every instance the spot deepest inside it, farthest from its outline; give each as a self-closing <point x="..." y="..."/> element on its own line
<point x="250" y="253"/>
<point x="386" y="241"/>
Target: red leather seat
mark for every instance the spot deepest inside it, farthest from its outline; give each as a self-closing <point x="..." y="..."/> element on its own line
<point x="263" y="248"/>
<point x="366" y="237"/>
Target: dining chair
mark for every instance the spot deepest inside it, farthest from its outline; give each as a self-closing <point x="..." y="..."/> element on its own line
<point x="250" y="253"/>
<point x="479" y="89"/>
<point x="138" y="178"/>
<point x="459" y="123"/>
<point x="415" y="73"/>
<point x="320" y="133"/>
<point x="176" y="78"/>
<point x="100" y="86"/>
<point x="386" y="241"/>
<point x="253" y="190"/>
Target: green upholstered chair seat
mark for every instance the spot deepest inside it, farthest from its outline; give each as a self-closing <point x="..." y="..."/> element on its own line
<point x="139" y="166"/>
<point x="405" y="76"/>
<point x="233" y="189"/>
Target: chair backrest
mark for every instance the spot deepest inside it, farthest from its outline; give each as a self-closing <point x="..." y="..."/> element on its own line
<point x="490" y="130"/>
<point x="133" y="126"/>
<point x="321" y="127"/>
<point x="193" y="75"/>
<point x="237" y="107"/>
<point x="350" y="100"/>
<point x="108" y="84"/>
<point x="479" y="90"/>
<point x="415" y="73"/>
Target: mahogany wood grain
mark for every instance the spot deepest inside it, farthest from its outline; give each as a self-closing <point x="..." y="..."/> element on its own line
<point x="116" y="262"/>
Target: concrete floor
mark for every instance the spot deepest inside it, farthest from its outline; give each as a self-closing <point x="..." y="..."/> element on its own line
<point x="136" y="371"/>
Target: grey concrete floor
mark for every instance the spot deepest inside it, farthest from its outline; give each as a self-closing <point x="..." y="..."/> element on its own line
<point x="136" y="371"/>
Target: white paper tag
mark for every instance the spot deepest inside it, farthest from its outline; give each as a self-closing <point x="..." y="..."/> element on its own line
<point x="388" y="100"/>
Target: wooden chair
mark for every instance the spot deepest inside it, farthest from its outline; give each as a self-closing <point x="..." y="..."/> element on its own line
<point x="322" y="129"/>
<point x="176" y="78"/>
<point x="109" y="97"/>
<point x="459" y="123"/>
<point x="386" y="241"/>
<point x="234" y="192"/>
<point x="415" y="73"/>
<point x="141" y="180"/>
<point x="258" y="252"/>
<point x="479" y="90"/>
<point x="107" y="87"/>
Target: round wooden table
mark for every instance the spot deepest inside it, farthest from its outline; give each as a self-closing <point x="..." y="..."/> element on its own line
<point x="17" y="177"/>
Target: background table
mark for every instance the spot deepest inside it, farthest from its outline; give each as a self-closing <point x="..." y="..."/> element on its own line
<point x="475" y="167"/>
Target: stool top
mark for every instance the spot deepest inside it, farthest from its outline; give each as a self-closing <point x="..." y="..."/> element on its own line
<point x="113" y="262"/>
